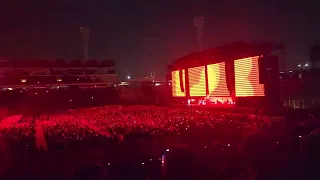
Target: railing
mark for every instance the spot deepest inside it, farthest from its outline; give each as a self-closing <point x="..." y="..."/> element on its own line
<point x="59" y="71"/>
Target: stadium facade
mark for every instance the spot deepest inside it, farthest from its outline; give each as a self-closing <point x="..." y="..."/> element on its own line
<point x="59" y="72"/>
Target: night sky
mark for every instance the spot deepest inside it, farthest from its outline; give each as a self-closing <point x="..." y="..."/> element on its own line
<point x="145" y="36"/>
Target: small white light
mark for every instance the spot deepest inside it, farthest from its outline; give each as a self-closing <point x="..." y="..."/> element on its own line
<point x="167" y="150"/>
<point x="142" y="163"/>
<point x="92" y="97"/>
<point x="150" y="159"/>
<point x="306" y="65"/>
<point x="228" y="145"/>
<point x="109" y="164"/>
<point x="128" y="77"/>
<point x="299" y="136"/>
<point x="70" y="100"/>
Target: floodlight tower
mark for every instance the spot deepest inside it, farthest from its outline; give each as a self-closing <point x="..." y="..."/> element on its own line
<point x="199" y="25"/>
<point x="85" y="32"/>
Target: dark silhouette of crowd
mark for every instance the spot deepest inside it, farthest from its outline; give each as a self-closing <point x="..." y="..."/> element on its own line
<point x="93" y="137"/>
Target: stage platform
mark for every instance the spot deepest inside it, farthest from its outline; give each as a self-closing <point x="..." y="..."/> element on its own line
<point x="234" y="110"/>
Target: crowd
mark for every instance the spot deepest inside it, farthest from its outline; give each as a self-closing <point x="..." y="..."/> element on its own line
<point x="150" y="142"/>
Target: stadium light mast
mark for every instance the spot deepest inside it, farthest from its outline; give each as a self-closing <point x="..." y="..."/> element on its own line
<point x="85" y="32"/>
<point x="199" y="25"/>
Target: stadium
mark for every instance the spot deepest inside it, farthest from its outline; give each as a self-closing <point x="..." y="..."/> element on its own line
<point x="237" y="74"/>
<point x="24" y="73"/>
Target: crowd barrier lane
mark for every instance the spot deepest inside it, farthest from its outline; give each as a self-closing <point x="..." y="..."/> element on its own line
<point x="10" y="120"/>
<point x="3" y="112"/>
<point x="95" y="128"/>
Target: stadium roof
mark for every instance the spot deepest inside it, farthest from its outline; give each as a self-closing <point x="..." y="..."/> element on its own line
<point x="232" y="51"/>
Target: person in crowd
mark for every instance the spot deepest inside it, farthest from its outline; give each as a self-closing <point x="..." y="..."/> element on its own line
<point x="258" y="151"/>
<point x="89" y="171"/>
<point x="310" y="151"/>
<point x="180" y="163"/>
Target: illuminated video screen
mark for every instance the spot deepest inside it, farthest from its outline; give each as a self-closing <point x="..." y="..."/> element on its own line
<point x="177" y="90"/>
<point x="217" y="83"/>
<point x="197" y="81"/>
<point x="247" y="77"/>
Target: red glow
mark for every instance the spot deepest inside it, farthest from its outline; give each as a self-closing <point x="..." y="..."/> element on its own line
<point x="176" y="89"/>
<point x="212" y="101"/>
<point x="197" y="81"/>
<point x="217" y="80"/>
<point x="246" y="73"/>
<point x="221" y="100"/>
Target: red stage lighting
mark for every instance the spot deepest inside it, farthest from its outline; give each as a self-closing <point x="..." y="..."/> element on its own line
<point x="176" y="84"/>
<point x="217" y="82"/>
<point x="197" y="81"/>
<point x="246" y="73"/>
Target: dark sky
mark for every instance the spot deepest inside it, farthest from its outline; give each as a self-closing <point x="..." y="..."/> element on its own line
<point x="146" y="35"/>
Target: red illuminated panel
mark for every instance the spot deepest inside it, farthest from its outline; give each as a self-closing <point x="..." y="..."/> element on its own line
<point x="217" y="80"/>
<point x="176" y="88"/>
<point x="197" y="81"/>
<point x="246" y="73"/>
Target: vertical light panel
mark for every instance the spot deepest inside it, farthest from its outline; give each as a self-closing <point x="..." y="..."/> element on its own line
<point x="197" y="81"/>
<point x="247" y="77"/>
<point x="217" y="82"/>
<point x="176" y="88"/>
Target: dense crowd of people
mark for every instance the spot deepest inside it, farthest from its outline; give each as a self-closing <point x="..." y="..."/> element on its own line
<point x="150" y="142"/>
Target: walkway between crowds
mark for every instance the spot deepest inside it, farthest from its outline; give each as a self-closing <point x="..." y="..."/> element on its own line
<point x="10" y="120"/>
<point x="95" y="128"/>
<point x="39" y="136"/>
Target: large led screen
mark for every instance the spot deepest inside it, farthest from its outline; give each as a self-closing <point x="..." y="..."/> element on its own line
<point x="247" y="77"/>
<point x="197" y="81"/>
<point x="178" y="88"/>
<point x="217" y="83"/>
